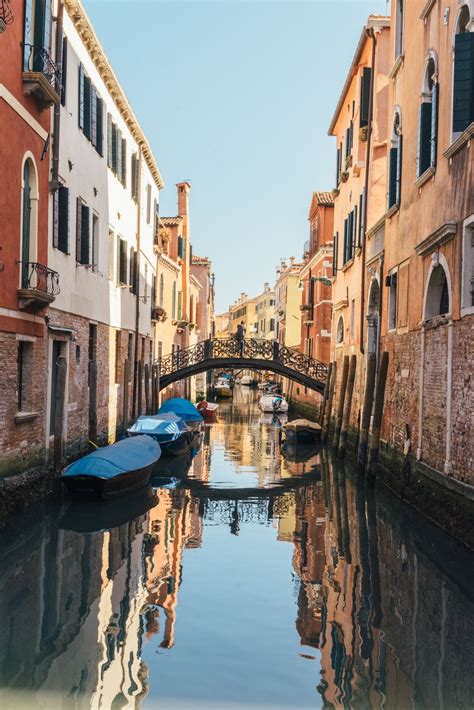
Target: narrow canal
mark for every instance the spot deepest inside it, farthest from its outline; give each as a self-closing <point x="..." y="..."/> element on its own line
<point x="262" y="581"/>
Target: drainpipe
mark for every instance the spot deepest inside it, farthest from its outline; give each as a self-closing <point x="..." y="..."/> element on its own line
<point x="137" y="281"/>
<point x="371" y="34"/>
<point x="57" y="107"/>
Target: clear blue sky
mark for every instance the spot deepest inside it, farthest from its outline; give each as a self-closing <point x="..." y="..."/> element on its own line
<point x="237" y="98"/>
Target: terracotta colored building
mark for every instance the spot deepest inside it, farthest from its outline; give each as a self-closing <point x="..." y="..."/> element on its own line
<point x="29" y="86"/>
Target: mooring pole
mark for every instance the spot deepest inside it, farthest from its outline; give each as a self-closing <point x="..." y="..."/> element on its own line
<point x="140" y="387"/>
<point x="378" y="412"/>
<point x="147" y="389"/>
<point x="347" y="408"/>
<point x="340" y="404"/>
<point x="93" y="401"/>
<point x="367" y="408"/>
<point x="126" y="390"/>
<point x="325" y="394"/>
<point x="59" y="412"/>
<point x="327" y="413"/>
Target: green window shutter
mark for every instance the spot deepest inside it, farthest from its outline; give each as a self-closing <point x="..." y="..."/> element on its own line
<point x="434" y="124"/>
<point x="87" y="107"/>
<point x="81" y="97"/>
<point x="335" y="247"/>
<point x="360" y="233"/>
<point x="64" y="72"/>
<point x="55" y="218"/>
<point x="118" y="151"/>
<point x="348" y="143"/>
<point x="354" y="229"/>
<point x="85" y="237"/>
<point x="131" y="276"/>
<point x="345" y="250"/>
<point x="124" y="163"/>
<point x="398" y="171"/>
<point x="78" y="229"/>
<point x="392" y="177"/>
<point x="463" y="84"/>
<point x="180" y="305"/>
<point x="424" y="138"/>
<point x="114" y="148"/>
<point x="100" y="127"/>
<point x="63" y="219"/>
<point x="109" y="140"/>
<point x="93" y="105"/>
<point x="365" y="96"/>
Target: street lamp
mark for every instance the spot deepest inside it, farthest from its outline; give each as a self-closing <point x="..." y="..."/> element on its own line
<point x="312" y="279"/>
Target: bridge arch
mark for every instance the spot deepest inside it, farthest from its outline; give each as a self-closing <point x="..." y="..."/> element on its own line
<point x="227" y="353"/>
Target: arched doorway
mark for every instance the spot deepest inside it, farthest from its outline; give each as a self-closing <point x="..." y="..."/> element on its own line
<point x="373" y="317"/>
<point x="29" y="221"/>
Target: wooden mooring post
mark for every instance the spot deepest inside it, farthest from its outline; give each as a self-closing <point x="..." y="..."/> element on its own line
<point x="93" y="401"/>
<point x="378" y="412"/>
<point x="325" y="394"/>
<point x="140" y="388"/>
<point x="341" y="452"/>
<point x="126" y="392"/>
<point x="367" y="408"/>
<point x="59" y="411"/>
<point x="147" y="389"/>
<point x="327" y="412"/>
<point x="340" y="404"/>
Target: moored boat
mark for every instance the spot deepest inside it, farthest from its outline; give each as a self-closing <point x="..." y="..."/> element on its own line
<point x="302" y="431"/>
<point x="246" y="380"/>
<point x="222" y="388"/>
<point x="183" y="408"/>
<point x="113" y="470"/>
<point x="273" y="403"/>
<point x="208" y="410"/>
<point x="168" y="430"/>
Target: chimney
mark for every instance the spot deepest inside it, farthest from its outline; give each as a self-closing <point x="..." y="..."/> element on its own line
<point x="266" y="286"/>
<point x="183" y="197"/>
<point x="292" y="260"/>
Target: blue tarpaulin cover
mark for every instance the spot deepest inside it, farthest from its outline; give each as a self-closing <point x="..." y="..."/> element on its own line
<point x="111" y="461"/>
<point x="163" y="427"/>
<point x="182" y="407"/>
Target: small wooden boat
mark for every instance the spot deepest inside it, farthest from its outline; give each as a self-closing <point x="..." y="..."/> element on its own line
<point x="302" y="431"/>
<point x="273" y="403"/>
<point x="168" y="430"/>
<point x="113" y="470"/>
<point x="208" y="410"/>
<point x="222" y="388"/>
<point x="185" y="409"/>
<point x="246" y="380"/>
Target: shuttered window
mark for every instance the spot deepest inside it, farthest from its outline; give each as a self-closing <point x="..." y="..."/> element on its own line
<point x="63" y="219"/>
<point x="134" y="185"/>
<point x="181" y="247"/>
<point x="463" y="85"/>
<point x="81" y="97"/>
<point x="335" y="249"/>
<point x="365" y="96"/>
<point x="109" y="140"/>
<point x="82" y="232"/>
<point x="424" y="138"/>
<point x="434" y="125"/>
<point x="122" y="261"/>
<point x="398" y="171"/>
<point x="180" y="305"/>
<point x="123" y="176"/>
<point x="338" y="165"/>
<point x="87" y="107"/>
<point x="99" y="145"/>
<point x="114" y="147"/>
<point x="93" y="105"/>
<point x="360" y="231"/>
<point x="392" y="172"/>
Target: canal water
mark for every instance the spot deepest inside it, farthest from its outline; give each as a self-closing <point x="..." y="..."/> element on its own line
<point x="268" y="578"/>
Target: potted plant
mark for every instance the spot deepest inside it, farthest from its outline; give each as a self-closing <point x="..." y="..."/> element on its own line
<point x="363" y="134"/>
<point x="344" y="176"/>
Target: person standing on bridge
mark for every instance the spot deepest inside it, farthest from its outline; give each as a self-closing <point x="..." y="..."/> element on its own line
<point x="240" y="335"/>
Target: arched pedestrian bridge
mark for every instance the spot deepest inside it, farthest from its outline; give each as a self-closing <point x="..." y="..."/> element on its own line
<point x="227" y="353"/>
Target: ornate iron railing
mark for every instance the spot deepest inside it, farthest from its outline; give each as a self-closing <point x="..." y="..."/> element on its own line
<point x="38" y="277"/>
<point x="37" y="59"/>
<point x="250" y="349"/>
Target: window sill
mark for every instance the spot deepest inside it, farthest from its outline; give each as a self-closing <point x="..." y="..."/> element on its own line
<point x="398" y="63"/>
<point x="419" y="182"/>
<point x="23" y="417"/>
<point x="460" y="142"/>
<point x="393" y="210"/>
<point x="347" y="265"/>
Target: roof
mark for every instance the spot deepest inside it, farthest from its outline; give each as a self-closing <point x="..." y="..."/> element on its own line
<point x="86" y="32"/>
<point x="326" y="199"/>
<point x="373" y="22"/>
<point x="171" y="221"/>
<point x="198" y="259"/>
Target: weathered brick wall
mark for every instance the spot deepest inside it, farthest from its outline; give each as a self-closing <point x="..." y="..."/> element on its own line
<point x="22" y="445"/>
<point x="358" y="391"/>
<point x="462" y="413"/>
<point x="434" y="396"/>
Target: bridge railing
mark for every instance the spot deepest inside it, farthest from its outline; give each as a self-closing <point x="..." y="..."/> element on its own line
<point x="251" y="349"/>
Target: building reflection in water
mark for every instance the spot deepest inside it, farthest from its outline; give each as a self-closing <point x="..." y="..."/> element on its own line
<point x="384" y="600"/>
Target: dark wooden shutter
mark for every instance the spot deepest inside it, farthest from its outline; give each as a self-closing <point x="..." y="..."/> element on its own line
<point x="78" y="229"/>
<point x="87" y="107"/>
<point x="424" y="135"/>
<point x="124" y="162"/>
<point x="55" y="218"/>
<point x="348" y="142"/>
<point x="392" y="177"/>
<point x="64" y="72"/>
<point x="434" y="124"/>
<point x="93" y="104"/>
<point x="85" y="238"/>
<point x="63" y="219"/>
<point x="463" y="84"/>
<point x="114" y="148"/>
<point x="335" y="248"/>
<point x="354" y="229"/>
<point x="100" y="127"/>
<point x="360" y="233"/>
<point x="365" y="96"/>
<point x="338" y="166"/>
<point x="118" y="152"/>
<point x="109" y="140"/>
<point x="344" y="251"/>
<point x="81" y="97"/>
<point x="351" y="136"/>
<point x="398" y="171"/>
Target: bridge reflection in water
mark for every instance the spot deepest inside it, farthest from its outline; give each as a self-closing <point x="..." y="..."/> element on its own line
<point x="309" y="588"/>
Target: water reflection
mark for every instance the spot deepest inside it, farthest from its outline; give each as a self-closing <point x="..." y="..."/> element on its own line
<point x="308" y="588"/>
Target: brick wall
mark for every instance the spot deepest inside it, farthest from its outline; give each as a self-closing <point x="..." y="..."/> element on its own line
<point x="462" y="413"/>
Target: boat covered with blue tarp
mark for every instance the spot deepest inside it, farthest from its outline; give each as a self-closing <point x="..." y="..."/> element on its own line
<point x="113" y="470"/>
<point x="168" y="429"/>
<point x="183" y="408"/>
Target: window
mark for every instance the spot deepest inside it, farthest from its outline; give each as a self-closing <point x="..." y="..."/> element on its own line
<point x="37" y="35"/>
<point x="91" y="112"/>
<point x="467" y="295"/>
<point x="437" y="300"/>
<point x="25" y="375"/>
<point x="82" y="232"/>
<point x="335" y="249"/>
<point x="391" y="283"/>
<point x="365" y="84"/>
<point x="29" y="224"/>
<point x="463" y="83"/>
<point x="338" y="164"/>
<point x="180" y="305"/>
<point x="133" y="271"/>
<point x="116" y="151"/>
<point x="121" y="262"/>
<point x="349" y="140"/>
<point x="134" y="182"/>
<point x="272" y="324"/>
<point x="361" y="230"/>
<point x="111" y="273"/>
<point x="118" y="357"/>
<point x="428" y="120"/>
<point x="181" y="247"/>
<point x="395" y="163"/>
<point x="123" y="175"/>
<point x="173" y="301"/>
<point x="399" y="29"/>
<point x="350" y="229"/>
<point x="340" y="331"/>
<point x="95" y="241"/>
<point x="61" y="219"/>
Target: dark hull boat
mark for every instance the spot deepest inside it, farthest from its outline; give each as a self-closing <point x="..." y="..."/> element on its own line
<point x="113" y="470"/>
<point x="185" y="409"/>
<point x="168" y="430"/>
<point x="302" y="431"/>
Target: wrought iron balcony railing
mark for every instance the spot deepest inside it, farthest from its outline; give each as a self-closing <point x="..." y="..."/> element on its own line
<point x="41" y="76"/>
<point x="38" y="283"/>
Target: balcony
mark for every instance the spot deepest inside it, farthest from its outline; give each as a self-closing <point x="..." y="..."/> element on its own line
<point x="41" y="76"/>
<point x="39" y="285"/>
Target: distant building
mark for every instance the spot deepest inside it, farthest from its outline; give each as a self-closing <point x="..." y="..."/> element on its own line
<point x="265" y="314"/>
<point x="288" y="302"/>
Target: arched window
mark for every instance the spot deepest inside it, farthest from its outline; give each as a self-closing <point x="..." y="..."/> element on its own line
<point x="340" y="331"/>
<point x="162" y="291"/>
<point x="29" y="221"/>
<point x="173" y="301"/>
<point x="395" y="161"/>
<point x="437" y="299"/>
<point x="428" y="117"/>
<point x="463" y="90"/>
